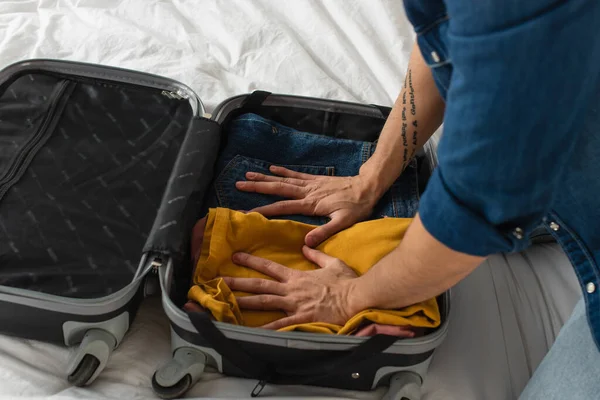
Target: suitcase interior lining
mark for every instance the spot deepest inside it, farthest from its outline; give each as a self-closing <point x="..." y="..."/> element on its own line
<point x="83" y="181"/>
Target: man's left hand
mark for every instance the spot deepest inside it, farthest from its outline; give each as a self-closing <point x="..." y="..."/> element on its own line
<point x="305" y="296"/>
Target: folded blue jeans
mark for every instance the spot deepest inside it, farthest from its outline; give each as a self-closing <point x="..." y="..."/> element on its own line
<point x="254" y="143"/>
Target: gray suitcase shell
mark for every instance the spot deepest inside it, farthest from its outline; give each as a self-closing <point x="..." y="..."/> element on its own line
<point x="71" y="234"/>
<point x="101" y="110"/>
<point x="401" y="366"/>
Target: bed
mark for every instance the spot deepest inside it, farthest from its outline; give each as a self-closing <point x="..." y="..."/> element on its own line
<point x="355" y="50"/>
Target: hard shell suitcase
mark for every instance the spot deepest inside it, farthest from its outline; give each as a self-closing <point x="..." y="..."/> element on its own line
<point x="103" y="172"/>
<point x="343" y="362"/>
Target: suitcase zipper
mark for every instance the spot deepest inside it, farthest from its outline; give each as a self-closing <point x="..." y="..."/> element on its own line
<point x="258" y="388"/>
<point x="151" y="281"/>
<point x="179" y="95"/>
<point x="26" y="155"/>
<point x="156" y="264"/>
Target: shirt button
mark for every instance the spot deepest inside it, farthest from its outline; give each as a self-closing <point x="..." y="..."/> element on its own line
<point x="554" y="226"/>
<point x="590" y="287"/>
<point x="518" y="233"/>
<point x="435" y="56"/>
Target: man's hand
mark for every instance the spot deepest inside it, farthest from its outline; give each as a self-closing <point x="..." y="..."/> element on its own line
<point x="346" y="200"/>
<point x="306" y="296"/>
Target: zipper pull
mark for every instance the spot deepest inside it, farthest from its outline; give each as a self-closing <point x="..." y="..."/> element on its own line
<point x="179" y="95"/>
<point x="156" y="264"/>
<point x="258" y="388"/>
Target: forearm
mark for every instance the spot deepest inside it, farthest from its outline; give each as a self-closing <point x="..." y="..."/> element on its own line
<point x="419" y="269"/>
<point x="415" y="116"/>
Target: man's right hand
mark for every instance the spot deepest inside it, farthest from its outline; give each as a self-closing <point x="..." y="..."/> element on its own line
<point x="345" y="200"/>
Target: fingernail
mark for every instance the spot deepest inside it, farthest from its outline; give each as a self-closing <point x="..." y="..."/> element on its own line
<point x="250" y="175"/>
<point x="272" y="167"/>
<point x="235" y="257"/>
<point x="240" y="184"/>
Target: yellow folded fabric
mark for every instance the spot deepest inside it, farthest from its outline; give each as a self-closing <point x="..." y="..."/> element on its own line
<point x="281" y="241"/>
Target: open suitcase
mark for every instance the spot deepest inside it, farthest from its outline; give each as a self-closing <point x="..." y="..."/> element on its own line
<point x="103" y="172"/>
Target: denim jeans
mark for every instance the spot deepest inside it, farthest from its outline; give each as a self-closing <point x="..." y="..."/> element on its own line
<point x="571" y="369"/>
<point x="255" y="143"/>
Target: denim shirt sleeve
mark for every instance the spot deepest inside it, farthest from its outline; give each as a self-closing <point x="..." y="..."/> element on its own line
<point x="523" y="74"/>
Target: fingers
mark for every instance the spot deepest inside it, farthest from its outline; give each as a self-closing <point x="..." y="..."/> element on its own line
<point x="191" y="306"/>
<point x="265" y="302"/>
<point x="287" y="321"/>
<point x="255" y="285"/>
<point x="269" y="268"/>
<point x="288" y="184"/>
<point x="317" y="257"/>
<point x="288" y="173"/>
<point x="274" y="188"/>
<point x="324" y="232"/>
<point x="285" y="207"/>
<point x="255" y="176"/>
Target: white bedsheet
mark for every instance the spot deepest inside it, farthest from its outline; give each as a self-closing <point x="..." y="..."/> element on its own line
<point x="353" y="50"/>
<point x="339" y="49"/>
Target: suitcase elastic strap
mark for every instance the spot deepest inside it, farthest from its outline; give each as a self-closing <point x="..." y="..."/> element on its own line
<point x="300" y="374"/>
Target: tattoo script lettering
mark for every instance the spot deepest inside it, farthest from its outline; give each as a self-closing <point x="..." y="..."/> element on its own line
<point x="408" y="87"/>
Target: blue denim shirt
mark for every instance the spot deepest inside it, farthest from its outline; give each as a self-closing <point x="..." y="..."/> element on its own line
<point x="521" y="142"/>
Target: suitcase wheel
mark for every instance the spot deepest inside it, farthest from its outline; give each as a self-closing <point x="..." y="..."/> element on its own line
<point x="84" y="371"/>
<point x="404" y="385"/>
<point x="177" y="376"/>
<point x="91" y="357"/>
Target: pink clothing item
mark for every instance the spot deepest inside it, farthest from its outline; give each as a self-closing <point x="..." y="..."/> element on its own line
<point x="391" y="330"/>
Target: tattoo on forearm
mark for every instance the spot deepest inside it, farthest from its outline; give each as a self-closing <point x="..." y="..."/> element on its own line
<point x="413" y="108"/>
<point x="413" y="111"/>
<point x="408" y="87"/>
<point x="404" y="143"/>
<point x="404" y="126"/>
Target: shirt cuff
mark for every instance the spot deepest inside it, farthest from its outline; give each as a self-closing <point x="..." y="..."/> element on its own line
<point x="462" y="229"/>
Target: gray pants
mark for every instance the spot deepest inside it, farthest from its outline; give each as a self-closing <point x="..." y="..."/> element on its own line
<point x="504" y="318"/>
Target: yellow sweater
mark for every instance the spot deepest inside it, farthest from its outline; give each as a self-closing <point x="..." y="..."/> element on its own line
<point x="281" y="241"/>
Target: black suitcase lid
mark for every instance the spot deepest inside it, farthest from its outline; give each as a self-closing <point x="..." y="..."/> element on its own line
<point x="86" y="152"/>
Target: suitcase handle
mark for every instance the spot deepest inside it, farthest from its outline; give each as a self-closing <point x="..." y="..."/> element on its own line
<point x="274" y="373"/>
<point x="257" y="98"/>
